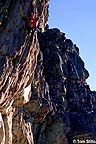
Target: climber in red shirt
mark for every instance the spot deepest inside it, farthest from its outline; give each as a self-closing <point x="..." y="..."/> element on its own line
<point x="33" y="21"/>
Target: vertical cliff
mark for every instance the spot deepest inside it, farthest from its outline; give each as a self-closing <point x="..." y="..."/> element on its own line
<point x="44" y="97"/>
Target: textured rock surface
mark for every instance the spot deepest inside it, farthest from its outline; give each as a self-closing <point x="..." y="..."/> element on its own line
<point x="44" y="97"/>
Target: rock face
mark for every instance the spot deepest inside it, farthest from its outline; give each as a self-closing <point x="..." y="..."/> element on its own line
<point x="44" y="97"/>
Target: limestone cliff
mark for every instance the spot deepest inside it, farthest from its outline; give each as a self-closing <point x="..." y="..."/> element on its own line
<point x="44" y="97"/>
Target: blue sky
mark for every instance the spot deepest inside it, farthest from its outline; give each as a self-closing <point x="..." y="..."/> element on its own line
<point x="77" y="18"/>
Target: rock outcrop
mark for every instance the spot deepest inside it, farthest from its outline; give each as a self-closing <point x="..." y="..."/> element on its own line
<point x="44" y="96"/>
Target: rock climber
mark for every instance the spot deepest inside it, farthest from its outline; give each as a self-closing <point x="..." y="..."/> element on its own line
<point x="33" y="21"/>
